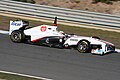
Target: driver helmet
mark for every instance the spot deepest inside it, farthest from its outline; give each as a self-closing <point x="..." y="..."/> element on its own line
<point x="61" y="32"/>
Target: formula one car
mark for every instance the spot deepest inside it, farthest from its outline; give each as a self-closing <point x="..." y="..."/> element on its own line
<point x="49" y="35"/>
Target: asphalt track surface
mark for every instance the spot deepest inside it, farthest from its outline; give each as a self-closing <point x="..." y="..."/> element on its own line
<point x="57" y="64"/>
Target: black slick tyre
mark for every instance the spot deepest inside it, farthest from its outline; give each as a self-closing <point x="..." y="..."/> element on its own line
<point x="17" y="36"/>
<point x="83" y="46"/>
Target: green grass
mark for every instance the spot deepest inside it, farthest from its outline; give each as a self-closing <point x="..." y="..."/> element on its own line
<point x="110" y="36"/>
<point x="4" y="76"/>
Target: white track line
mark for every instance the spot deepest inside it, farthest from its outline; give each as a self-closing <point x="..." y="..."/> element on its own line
<point x="24" y="75"/>
<point x="4" y="32"/>
<point x="118" y="50"/>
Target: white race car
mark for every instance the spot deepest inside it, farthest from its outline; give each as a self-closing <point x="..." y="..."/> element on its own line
<point x="49" y="35"/>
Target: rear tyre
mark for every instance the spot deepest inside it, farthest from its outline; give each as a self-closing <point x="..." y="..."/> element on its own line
<point x="83" y="46"/>
<point x="17" y="36"/>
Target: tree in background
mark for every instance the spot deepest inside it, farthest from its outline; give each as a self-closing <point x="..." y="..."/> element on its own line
<point x="104" y="1"/>
<point x="28" y="1"/>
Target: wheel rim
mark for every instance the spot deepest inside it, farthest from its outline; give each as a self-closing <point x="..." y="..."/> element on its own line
<point x="83" y="46"/>
<point x="15" y="37"/>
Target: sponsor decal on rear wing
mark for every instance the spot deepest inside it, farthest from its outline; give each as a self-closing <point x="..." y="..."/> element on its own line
<point x="14" y="25"/>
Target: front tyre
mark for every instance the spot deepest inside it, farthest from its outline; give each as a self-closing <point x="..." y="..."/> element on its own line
<point x="83" y="46"/>
<point x="17" y="36"/>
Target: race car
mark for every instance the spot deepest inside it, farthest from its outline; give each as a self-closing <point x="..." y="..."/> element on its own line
<point x="49" y="35"/>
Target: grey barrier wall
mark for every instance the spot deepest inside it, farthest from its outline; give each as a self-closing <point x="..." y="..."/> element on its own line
<point x="66" y="15"/>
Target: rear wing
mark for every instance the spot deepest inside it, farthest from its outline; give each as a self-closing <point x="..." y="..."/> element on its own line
<point x="15" y="25"/>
